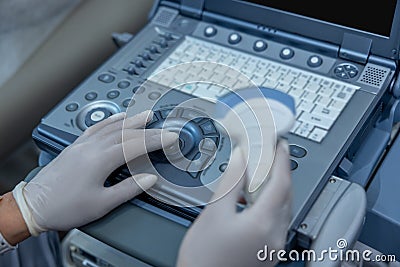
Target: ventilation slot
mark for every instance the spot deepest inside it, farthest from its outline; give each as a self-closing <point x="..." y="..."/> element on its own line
<point x="164" y="17"/>
<point x="373" y="75"/>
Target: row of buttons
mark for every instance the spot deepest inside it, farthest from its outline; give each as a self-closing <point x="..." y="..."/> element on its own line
<point x="260" y="45"/>
<point x="297" y="152"/>
<point x="71" y="107"/>
<point x="144" y="59"/>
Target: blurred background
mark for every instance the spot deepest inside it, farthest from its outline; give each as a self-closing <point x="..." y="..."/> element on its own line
<point x="47" y="48"/>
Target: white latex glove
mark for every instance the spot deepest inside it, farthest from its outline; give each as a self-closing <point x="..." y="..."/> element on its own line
<point x="69" y="191"/>
<point x="221" y="236"/>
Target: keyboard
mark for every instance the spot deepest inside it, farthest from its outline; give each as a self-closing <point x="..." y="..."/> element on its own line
<point x="319" y="99"/>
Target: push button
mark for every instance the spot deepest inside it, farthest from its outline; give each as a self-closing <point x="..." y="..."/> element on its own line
<point x="234" y="38"/>
<point x="146" y="56"/>
<point x="259" y="46"/>
<point x="124" y="84"/>
<point x="113" y="94"/>
<point x="286" y="53"/>
<point x="314" y="61"/>
<point x="297" y="151"/>
<point x="210" y="31"/>
<point x="91" y="96"/>
<point x="72" y="107"/>
<point x="293" y="165"/>
<point x="130" y="69"/>
<point x="127" y="103"/>
<point x="208" y="128"/>
<point x="154" y="49"/>
<point x="106" y="78"/>
<point x="96" y="115"/>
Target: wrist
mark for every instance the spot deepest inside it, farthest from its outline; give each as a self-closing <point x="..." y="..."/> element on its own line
<point x="12" y="224"/>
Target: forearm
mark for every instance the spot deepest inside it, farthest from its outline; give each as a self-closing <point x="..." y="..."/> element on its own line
<point x="12" y="224"/>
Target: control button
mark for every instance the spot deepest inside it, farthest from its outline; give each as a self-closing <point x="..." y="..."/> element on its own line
<point x="352" y="73"/>
<point x="128" y="103"/>
<point x="146" y="56"/>
<point x="124" y="84"/>
<point x="260" y="46"/>
<point x="208" y="128"/>
<point x="168" y="36"/>
<point x="286" y="53"/>
<point x="163" y="43"/>
<point x="234" y="38"/>
<point x="346" y="71"/>
<point x="130" y="69"/>
<point x="154" y="49"/>
<point x="96" y="115"/>
<point x="208" y="145"/>
<point x="154" y="95"/>
<point x="138" y="89"/>
<point x="297" y="151"/>
<point x="222" y="167"/>
<point x="210" y="31"/>
<point x="293" y="165"/>
<point x="91" y="96"/>
<point x="138" y="63"/>
<point x="314" y="61"/>
<point x="72" y="107"/>
<point x="113" y="94"/>
<point x="106" y="78"/>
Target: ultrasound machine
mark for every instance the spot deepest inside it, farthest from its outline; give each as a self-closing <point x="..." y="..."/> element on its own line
<point x="342" y="73"/>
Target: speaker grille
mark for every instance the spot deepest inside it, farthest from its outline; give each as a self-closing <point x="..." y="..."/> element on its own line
<point x="374" y="75"/>
<point x="164" y="17"/>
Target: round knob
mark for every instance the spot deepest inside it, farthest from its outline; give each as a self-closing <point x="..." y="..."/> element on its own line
<point x="96" y="115"/>
<point x="259" y="46"/>
<point x="210" y="31"/>
<point x="234" y="38"/>
<point x="154" y="49"/>
<point x="314" y="61"/>
<point x="286" y="53"/>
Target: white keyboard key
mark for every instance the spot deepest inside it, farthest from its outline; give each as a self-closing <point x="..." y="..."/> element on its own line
<point x="306" y="106"/>
<point x="295" y="92"/>
<point x="342" y="96"/>
<point x="312" y="87"/>
<point x="323" y="122"/>
<point x="325" y="112"/>
<point x="283" y="87"/>
<point x="270" y="83"/>
<point x="295" y="126"/>
<point x="336" y="104"/>
<point x="299" y="83"/>
<point x="325" y="91"/>
<point x="229" y="81"/>
<point x="274" y="76"/>
<point x="303" y="130"/>
<point x="257" y="80"/>
<point x="287" y="79"/>
<point x="309" y="96"/>
<point x="322" y="101"/>
<point x="317" y="134"/>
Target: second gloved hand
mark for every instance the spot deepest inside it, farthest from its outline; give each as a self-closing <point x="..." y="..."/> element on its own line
<point x="69" y="192"/>
<point x="222" y="236"/>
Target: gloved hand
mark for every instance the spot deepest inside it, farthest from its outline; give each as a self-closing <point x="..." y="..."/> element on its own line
<point x="221" y="236"/>
<point x="69" y="191"/>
